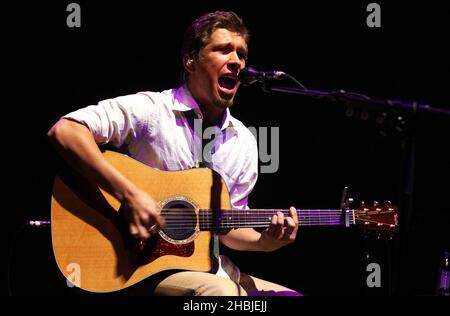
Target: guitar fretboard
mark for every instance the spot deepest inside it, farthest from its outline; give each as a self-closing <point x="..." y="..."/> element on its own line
<point x="227" y="219"/>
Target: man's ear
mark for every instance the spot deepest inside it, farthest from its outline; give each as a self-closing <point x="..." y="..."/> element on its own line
<point x="189" y="63"/>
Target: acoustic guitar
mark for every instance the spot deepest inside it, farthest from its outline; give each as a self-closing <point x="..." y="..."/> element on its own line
<point x="95" y="252"/>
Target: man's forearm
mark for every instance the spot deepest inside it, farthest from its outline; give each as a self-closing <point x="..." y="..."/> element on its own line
<point x="245" y="239"/>
<point x="77" y="146"/>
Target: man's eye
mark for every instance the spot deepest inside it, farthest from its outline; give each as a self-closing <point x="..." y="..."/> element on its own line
<point x="221" y="49"/>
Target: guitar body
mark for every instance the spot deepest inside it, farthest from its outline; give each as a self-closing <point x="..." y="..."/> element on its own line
<point x="91" y="242"/>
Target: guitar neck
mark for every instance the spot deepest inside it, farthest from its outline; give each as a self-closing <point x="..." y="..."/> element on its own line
<point x="228" y="219"/>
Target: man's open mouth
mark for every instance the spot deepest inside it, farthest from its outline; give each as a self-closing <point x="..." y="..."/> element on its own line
<point x="228" y="82"/>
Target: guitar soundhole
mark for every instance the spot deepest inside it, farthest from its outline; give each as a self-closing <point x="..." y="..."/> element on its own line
<point x="180" y="218"/>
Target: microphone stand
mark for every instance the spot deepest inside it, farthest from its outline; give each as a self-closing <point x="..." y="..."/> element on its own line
<point x="357" y="99"/>
<point x="402" y="112"/>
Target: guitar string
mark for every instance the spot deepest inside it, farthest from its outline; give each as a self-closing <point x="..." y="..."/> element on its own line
<point x="237" y="218"/>
<point x="234" y="219"/>
<point x="253" y="220"/>
<point x="241" y="218"/>
<point x="315" y="221"/>
<point x="320" y="220"/>
<point x="252" y="214"/>
<point x="208" y="228"/>
<point x="380" y="210"/>
<point x="224" y="227"/>
<point x="247" y="216"/>
<point x="236" y="223"/>
<point x="260" y="224"/>
<point x="270" y="212"/>
<point x="252" y="210"/>
<point x="244" y="218"/>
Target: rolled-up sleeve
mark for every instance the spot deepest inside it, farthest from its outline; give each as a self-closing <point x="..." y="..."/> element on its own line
<point x="117" y="121"/>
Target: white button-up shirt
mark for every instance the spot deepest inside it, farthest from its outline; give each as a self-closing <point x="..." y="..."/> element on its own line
<point x="158" y="129"/>
<point x="155" y="128"/>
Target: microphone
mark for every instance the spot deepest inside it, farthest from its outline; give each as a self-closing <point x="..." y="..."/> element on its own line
<point x="249" y="76"/>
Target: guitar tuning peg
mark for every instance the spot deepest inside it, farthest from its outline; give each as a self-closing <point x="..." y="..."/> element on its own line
<point x="375" y="203"/>
<point x="387" y="203"/>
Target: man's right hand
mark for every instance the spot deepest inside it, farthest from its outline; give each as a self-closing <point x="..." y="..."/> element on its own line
<point x="141" y="211"/>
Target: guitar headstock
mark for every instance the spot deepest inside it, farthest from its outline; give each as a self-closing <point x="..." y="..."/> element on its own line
<point x="377" y="218"/>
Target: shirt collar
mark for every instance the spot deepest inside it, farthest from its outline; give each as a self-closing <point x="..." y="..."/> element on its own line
<point x="184" y="101"/>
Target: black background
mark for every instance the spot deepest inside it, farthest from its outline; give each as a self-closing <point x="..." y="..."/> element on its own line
<point x="133" y="46"/>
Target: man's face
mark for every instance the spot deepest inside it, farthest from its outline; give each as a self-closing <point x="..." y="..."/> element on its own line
<point x="213" y="80"/>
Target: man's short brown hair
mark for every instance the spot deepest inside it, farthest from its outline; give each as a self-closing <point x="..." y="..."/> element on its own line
<point x="198" y="34"/>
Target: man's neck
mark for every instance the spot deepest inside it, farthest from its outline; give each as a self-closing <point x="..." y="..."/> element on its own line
<point x="212" y="116"/>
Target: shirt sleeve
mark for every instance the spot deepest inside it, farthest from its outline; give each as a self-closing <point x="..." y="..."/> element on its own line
<point x="117" y="121"/>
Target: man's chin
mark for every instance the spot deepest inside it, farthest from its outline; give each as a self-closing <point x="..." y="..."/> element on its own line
<point x="224" y="103"/>
<point x="225" y="100"/>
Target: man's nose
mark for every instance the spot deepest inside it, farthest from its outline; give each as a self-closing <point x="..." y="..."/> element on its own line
<point x="235" y="63"/>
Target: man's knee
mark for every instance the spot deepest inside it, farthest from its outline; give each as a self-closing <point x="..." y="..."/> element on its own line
<point x="220" y="288"/>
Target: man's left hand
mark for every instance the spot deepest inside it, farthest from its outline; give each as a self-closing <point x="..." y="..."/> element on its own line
<point x="282" y="231"/>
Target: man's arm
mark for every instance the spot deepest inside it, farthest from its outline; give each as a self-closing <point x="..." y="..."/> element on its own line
<point x="75" y="142"/>
<point x="281" y="232"/>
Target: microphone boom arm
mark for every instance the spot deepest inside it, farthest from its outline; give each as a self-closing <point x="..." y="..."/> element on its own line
<point x="359" y="99"/>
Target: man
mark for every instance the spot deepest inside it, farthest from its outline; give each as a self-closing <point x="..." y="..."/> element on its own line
<point x="159" y="130"/>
